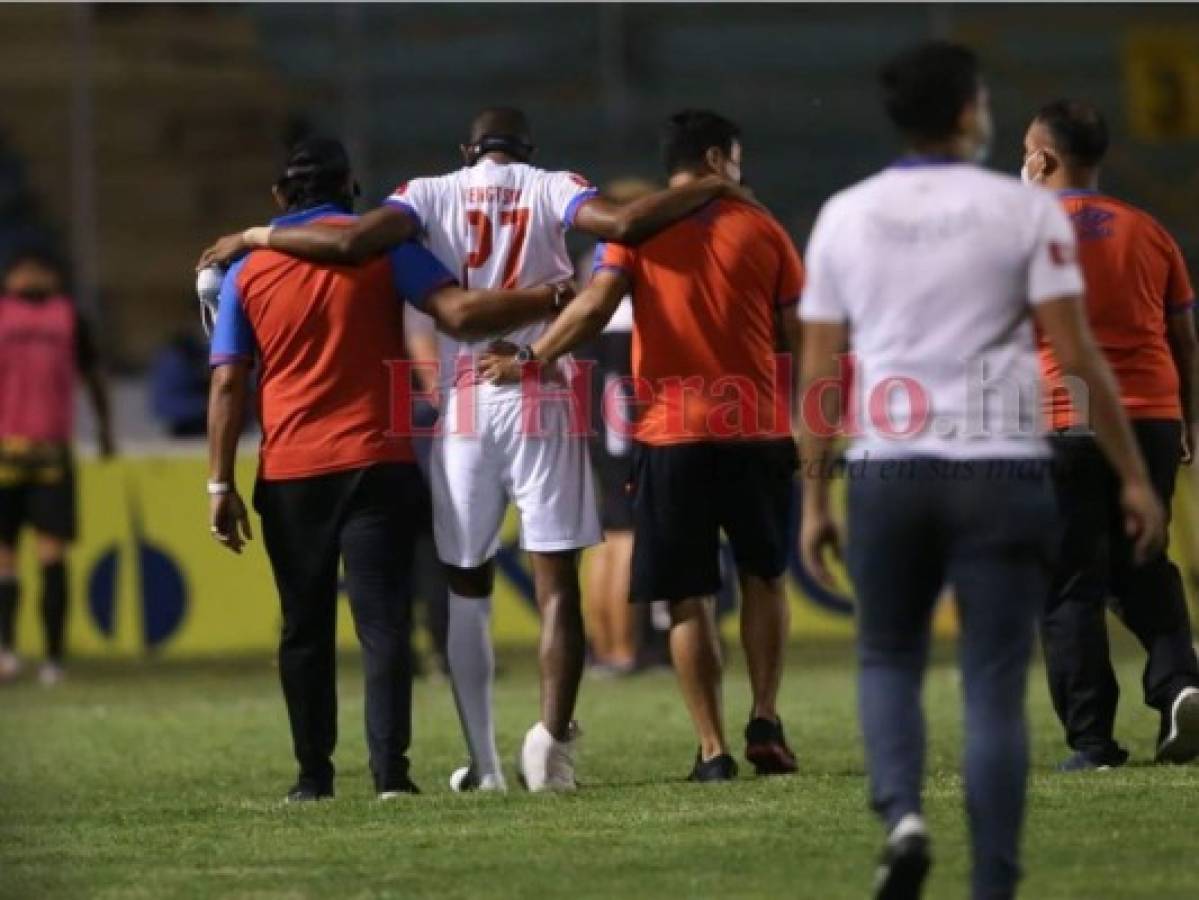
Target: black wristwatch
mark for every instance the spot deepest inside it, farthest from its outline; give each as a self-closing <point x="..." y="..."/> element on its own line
<point x="525" y="355"/>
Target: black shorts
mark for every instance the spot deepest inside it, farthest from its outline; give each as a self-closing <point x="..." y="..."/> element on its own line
<point x="684" y="495"/>
<point x="615" y="476"/>
<point x="37" y="489"/>
<point x="611" y="446"/>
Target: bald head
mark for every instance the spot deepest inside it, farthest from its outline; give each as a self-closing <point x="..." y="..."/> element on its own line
<point x="500" y="133"/>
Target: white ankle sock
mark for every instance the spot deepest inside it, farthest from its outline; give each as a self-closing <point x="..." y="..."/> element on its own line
<point x="472" y="672"/>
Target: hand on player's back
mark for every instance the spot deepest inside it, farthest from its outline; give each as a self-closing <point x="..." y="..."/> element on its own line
<point x="498" y="364"/>
<point x="225" y="251"/>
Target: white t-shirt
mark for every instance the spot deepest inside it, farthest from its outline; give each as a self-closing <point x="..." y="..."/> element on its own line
<point x="495" y="225"/>
<point x="935" y="267"/>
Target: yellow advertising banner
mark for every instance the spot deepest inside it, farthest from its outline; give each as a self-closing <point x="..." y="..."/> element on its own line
<point x="1161" y="79"/>
<point x="147" y="579"/>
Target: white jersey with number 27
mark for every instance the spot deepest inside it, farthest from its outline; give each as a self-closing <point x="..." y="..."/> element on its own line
<point x="495" y="225"/>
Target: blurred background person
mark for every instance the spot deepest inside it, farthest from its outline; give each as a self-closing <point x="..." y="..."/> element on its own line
<point x="179" y="384"/>
<point x="45" y="348"/>
<point x="921" y="271"/>
<point x="1139" y="302"/>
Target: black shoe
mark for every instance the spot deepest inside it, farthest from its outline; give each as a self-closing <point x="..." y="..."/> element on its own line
<point x="718" y="768"/>
<point x="306" y="792"/>
<point x="904" y="863"/>
<point x="766" y="748"/>
<point x="1094" y="760"/>
<point x="1178" y="740"/>
<point x="392" y="792"/>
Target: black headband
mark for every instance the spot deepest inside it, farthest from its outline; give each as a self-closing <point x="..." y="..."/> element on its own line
<point x="502" y="143"/>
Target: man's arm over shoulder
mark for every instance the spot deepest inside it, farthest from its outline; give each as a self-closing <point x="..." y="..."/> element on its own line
<point x="399" y="219"/>
<point x="586" y="210"/>
<point x="372" y="234"/>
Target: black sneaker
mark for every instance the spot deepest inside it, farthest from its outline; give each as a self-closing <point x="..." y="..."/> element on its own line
<point x="904" y="862"/>
<point x="718" y="768"/>
<point x="1094" y="760"/>
<point x="306" y="792"/>
<point x="399" y="789"/>
<point x="766" y="748"/>
<point x="1178" y="740"/>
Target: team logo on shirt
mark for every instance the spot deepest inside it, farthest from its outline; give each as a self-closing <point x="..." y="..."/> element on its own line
<point x="1092" y="223"/>
<point x="1060" y="253"/>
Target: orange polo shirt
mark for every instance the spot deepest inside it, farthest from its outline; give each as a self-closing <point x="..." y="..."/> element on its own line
<point x="706" y="350"/>
<point x="1136" y="277"/>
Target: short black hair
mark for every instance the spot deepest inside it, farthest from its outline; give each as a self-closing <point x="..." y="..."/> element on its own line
<point x="926" y="88"/>
<point x="688" y="135"/>
<point x="1078" y="130"/>
<point x="315" y="173"/>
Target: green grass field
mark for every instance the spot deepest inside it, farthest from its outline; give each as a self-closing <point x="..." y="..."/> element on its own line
<point x="165" y="781"/>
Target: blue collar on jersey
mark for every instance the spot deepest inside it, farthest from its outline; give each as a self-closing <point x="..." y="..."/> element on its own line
<point x="307" y="215"/>
<point x="917" y="161"/>
<point x="1078" y="192"/>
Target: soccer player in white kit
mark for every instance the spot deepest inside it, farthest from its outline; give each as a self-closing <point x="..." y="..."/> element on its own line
<point x="500" y="221"/>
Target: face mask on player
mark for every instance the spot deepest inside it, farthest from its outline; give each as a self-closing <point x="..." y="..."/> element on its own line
<point x="1026" y="173"/>
<point x="33" y="294"/>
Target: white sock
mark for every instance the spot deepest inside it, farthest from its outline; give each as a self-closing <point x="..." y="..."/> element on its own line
<point x="472" y="672"/>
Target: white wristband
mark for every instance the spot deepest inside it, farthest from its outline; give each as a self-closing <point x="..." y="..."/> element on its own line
<point x="219" y="487"/>
<point x="259" y="236"/>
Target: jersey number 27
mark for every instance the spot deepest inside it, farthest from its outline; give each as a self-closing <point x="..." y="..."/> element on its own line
<point x="481" y="229"/>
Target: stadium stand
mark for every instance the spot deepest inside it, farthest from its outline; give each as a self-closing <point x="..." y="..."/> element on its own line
<point x="193" y="102"/>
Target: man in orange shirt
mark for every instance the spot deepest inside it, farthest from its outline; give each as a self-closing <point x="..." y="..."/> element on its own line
<point x="1139" y="303"/>
<point x="713" y="324"/>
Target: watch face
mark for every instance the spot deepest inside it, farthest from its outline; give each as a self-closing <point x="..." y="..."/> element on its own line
<point x="523" y="355"/>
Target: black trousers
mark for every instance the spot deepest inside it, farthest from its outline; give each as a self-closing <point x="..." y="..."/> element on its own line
<point x="364" y="518"/>
<point x="1095" y="564"/>
<point x="986" y="527"/>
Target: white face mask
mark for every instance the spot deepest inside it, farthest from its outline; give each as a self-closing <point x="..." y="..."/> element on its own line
<point x="1026" y="174"/>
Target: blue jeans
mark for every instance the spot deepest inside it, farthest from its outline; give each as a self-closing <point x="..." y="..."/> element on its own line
<point x="987" y="528"/>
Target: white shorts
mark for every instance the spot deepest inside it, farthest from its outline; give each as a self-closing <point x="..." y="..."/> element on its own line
<point x="474" y="472"/>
